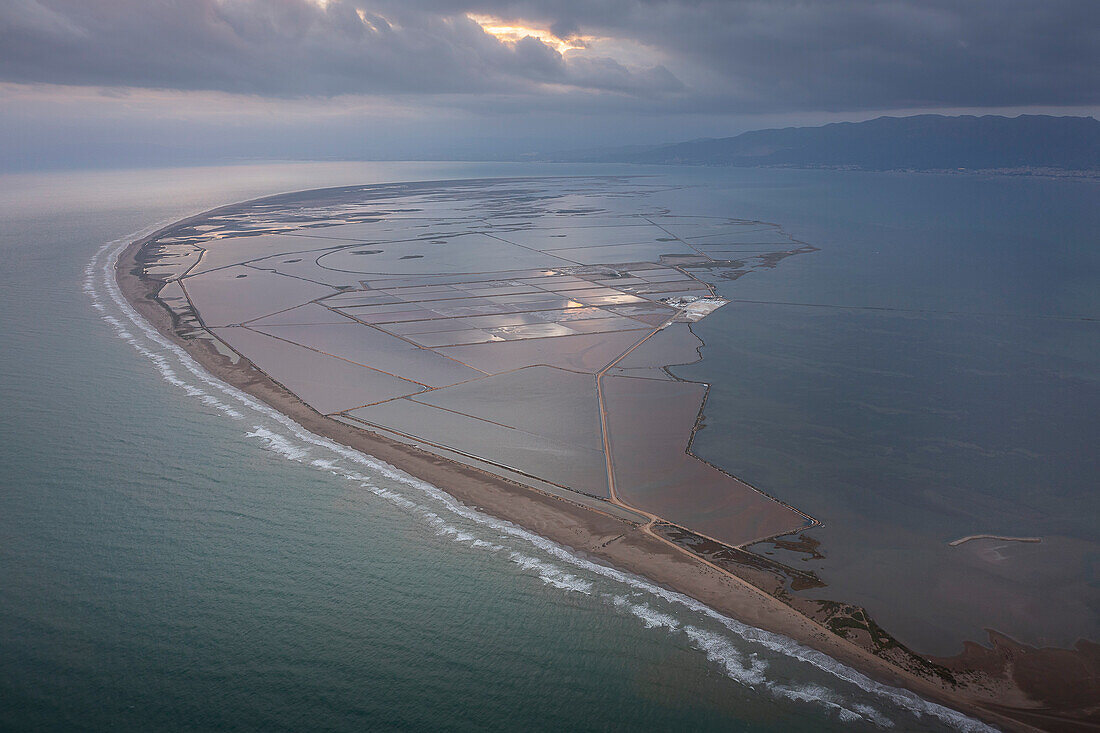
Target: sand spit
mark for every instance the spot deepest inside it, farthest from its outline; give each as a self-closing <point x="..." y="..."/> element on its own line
<point x="1001" y="538"/>
<point x="1052" y="691"/>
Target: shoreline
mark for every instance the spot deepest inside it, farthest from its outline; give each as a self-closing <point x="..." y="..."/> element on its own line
<point x="646" y="550"/>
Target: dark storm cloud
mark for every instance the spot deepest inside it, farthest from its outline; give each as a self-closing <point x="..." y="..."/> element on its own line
<point x="281" y="48"/>
<point x="692" y="55"/>
<point x="756" y="55"/>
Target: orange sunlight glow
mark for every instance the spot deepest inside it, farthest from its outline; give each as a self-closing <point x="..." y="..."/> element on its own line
<point x="506" y="33"/>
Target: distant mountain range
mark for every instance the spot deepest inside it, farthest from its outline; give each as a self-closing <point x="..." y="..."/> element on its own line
<point x="920" y="142"/>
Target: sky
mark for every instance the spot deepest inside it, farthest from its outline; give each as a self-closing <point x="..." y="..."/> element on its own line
<point x="96" y="82"/>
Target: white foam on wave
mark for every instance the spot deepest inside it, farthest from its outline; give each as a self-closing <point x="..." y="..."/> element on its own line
<point x="653" y="619"/>
<point x="551" y="574"/>
<point x="749" y="669"/>
<point x="719" y="649"/>
<point x="279" y="443"/>
<point x="723" y="652"/>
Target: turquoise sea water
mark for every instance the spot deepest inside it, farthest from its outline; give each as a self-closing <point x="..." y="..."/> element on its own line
<point x="176" y="556"/>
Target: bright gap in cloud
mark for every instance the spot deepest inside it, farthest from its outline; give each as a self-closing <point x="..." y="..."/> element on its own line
<point x="510" y="33"/>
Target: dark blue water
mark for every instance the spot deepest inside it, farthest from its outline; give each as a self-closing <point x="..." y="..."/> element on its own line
<point x="175" y="556"/>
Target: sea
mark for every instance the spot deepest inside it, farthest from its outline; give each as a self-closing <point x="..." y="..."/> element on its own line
<point x="176" y="556"/>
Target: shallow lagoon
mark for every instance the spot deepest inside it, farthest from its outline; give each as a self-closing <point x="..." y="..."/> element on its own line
<point x="932" y="372"/>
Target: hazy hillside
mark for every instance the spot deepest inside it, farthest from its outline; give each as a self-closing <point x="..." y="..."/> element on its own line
<point x="921" y="142"/>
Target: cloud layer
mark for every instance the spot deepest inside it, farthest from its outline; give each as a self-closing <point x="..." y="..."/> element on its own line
<point x="701" y="56"/>
<point x="290" y="48"/>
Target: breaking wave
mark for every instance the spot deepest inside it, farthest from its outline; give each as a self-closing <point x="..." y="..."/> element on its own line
<point x="743" y="653"/>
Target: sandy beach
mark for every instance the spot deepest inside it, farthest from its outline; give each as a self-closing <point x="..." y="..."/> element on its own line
<point x="986" y="683"/>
